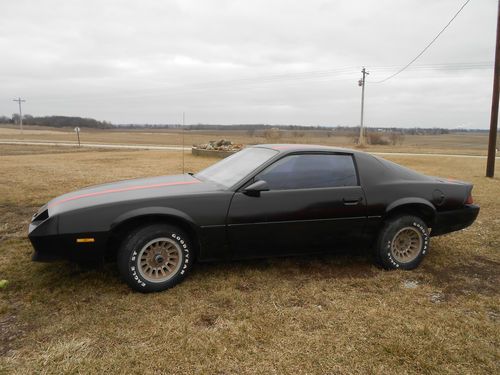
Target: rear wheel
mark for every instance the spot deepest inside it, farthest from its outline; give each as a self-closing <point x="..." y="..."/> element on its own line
<point x="402" y="243"/>
<point x="154" y="258"/>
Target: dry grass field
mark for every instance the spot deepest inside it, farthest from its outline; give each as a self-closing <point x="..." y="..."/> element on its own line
<point x="458" y="143"/>
<point x="307" y="315"/>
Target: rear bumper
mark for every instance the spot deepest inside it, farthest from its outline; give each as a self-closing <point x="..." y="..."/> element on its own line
<point x="451" y="221"/>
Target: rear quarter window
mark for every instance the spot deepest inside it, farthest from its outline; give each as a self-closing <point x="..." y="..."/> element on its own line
<point x="402" y="172"/>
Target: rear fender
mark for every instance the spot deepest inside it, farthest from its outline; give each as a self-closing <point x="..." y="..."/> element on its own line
<point x="413" y="203"/>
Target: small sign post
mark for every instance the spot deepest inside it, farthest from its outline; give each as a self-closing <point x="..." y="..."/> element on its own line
<point x="77" y="130"/>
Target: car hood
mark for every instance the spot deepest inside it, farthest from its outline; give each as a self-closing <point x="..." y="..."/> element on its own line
<point x="130" y="190"/>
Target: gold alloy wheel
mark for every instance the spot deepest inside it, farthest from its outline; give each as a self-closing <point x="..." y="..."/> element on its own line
<point x="406" y="244"/>
<point x="159" y="260"/>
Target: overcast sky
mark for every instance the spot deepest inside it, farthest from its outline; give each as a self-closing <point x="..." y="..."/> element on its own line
<point x="249" y="61"/>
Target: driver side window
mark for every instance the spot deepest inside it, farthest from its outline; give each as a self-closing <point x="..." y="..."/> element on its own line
<point x="309" y="171"/>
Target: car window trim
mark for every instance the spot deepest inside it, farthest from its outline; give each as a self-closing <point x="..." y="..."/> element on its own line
<point x="280" y="156"/>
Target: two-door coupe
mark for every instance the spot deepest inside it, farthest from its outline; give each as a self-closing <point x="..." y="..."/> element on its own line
<point x="266" y="200"/>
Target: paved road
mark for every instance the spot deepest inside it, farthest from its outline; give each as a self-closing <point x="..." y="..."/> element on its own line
<point x="94" y="145"/>
<point x="179" y="148"/>
<point x="441" y="155"/>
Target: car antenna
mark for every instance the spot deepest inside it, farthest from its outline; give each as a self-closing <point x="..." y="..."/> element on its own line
<point x="183" y="124"/>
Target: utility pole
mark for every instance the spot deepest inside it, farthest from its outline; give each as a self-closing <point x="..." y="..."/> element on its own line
<point x="361" y="83"/>
<point x="77" y="130"/>
<point x="19" y="101"/>
<point x="183" y="124"/>
<point x="492" y="145"/>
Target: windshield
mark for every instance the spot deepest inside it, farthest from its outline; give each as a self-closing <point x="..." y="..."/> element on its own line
<point x="234" y="168"/>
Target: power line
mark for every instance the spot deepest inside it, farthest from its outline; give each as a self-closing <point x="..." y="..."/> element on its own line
<point x="341" y="71"/>
<point x="427" y="46"/>
<point x="441" y="66"/>
<point x="257" y="82"/>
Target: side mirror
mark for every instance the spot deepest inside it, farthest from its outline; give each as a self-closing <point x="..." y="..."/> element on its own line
<point x="254" y="189"/>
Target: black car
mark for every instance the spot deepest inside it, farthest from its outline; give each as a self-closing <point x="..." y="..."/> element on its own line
<point x="266" y="200"/>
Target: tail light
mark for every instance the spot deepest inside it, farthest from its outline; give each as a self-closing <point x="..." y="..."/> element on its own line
<point x="469" y="199"/>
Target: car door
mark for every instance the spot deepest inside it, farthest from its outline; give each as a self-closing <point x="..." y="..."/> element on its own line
<point x="314" y="203"/>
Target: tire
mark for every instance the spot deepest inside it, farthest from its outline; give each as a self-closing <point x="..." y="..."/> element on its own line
<point x="402" y="243"/>
<point x="154" y="258"/>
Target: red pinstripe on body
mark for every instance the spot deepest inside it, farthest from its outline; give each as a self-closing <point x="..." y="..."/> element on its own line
<point x="130" y="188"/>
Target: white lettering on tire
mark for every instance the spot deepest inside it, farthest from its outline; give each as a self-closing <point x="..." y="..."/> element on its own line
<point x="133" y="258"/>
<point x="423" y="250"/>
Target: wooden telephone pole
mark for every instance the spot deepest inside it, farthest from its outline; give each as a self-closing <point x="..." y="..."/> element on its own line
<point x="19" y="101"/>
<point x="361" y="83"/>
<point x="492" y="145"/>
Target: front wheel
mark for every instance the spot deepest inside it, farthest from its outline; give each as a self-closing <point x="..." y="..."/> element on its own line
<point x="402" y="243"/>
<point x="154" y="257"/>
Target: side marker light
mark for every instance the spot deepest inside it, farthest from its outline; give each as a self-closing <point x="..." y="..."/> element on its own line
<point x="85" y="240"/>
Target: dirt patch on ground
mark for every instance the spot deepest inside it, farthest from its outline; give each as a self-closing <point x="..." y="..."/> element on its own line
<point x="207" y="320"/>
<point x="8" y="332"/>
<point x="245" y="286"/>
<point x="480" y="276"/>
<point x="11" y="330"/>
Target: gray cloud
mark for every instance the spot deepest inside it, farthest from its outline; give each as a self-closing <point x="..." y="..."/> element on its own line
<point x="238" y="61"/>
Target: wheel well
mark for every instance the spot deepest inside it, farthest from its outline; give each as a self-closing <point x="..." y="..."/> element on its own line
<point x="426" y="213"/>
<point x="118" y="233"/>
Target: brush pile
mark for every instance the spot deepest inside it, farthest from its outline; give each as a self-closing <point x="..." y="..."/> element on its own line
<point x="220" y="145"/>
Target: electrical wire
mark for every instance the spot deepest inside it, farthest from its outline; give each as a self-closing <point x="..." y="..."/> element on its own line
<point x="261" y="82"/>
<point x="426" y="47"/>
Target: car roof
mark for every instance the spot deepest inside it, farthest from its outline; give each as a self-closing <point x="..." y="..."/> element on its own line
<point x="292" y="147"/>
<point x="376" y="165"/>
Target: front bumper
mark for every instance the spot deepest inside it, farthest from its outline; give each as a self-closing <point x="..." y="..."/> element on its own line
<point x="51" y="246"/>
<point x="453" y="220"/>
<point x="65" y="247"/>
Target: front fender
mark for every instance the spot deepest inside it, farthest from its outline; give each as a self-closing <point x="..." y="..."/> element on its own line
<point x="146" y="211"/>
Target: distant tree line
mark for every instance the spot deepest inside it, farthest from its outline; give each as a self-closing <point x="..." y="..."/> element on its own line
<point x="251" y="129"/>
<point x="255" y="129"/>
<point x="57" y="121"/>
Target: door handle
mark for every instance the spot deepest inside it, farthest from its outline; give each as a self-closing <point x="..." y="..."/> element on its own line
<point x="352" y="202"/>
